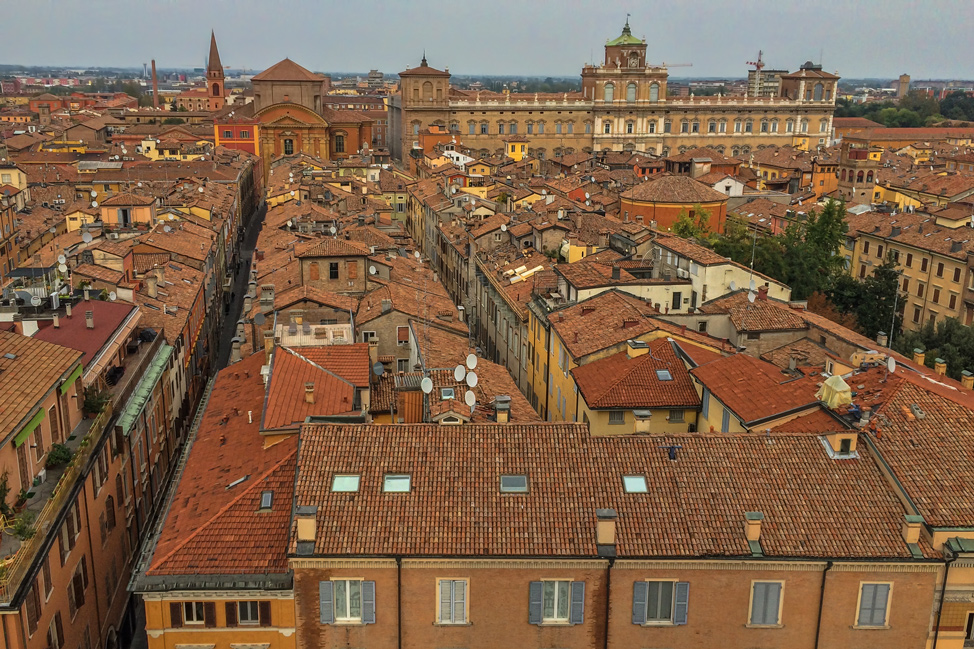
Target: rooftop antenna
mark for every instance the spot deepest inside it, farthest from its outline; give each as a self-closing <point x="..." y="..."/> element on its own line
<point x="672" y="449"/>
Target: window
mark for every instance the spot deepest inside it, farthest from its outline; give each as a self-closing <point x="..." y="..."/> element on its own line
<point x="396" y="483"/>
<point x="909" y="259"/>
<point x="571" y="127"/>
<point x="906" y="284"/>
<point x="711" y="126"/>
<point x="228" y="134"/>
<point x="940" y="269"/>
<point x="193" y="613"/>
<point x="452" y="606"/>
<point x="514" y="484"/>
<point x="652" y="126"/>
<point x="500" y="128"/>
<point x="288" y="147"/>
<point x="447" y="393"/>
<point x="749" y="126"/>
<point x="936" y="295"/>
<point x="865" y="247"/>
<point x="616" y="417"/>
<point x="471" y="128"/>
<point x="345" y="482"/>
<point x="765" y="603"/>
<point x="916" y="314"/>
<point x="248" y="613"/>
<point x="266" y="499"/>
<point x="55" y="633"/>
<point x="764" y="126"/>
<point x="630" y="127"/>
<point x="684" y="127"/>
<point x="244" y="134"/>
<point x="339" y="144"/>
<point x="879" y="251"/>
<point x="676" y="416"/>
<point x="957" y="274"/>
<point x="333" y="270"/>
<point x="660" y="602"/>
<point x="402" y="364"/>
<point x="654" y="92"/>
<point x="873" y="605"/>
<point x="556" y="602"/>
<point x="952" y="303"/>
<point x="541" y="128"/>
<point x="608" y="92"/>
<point x="483" y="128"/>
<point x="634" y="484"/>
<point x="664" y="375"/>
<point x="513" y="128"/>
<point x="751" y="335"/>
<point x="530" y="128"/>
<point x="558" y="127"/>
<point x="923" y="264"/>
<point x="607" y="126"/>
<point x="353" y="601"/>
<point x="737" y="126"/>
<point x="631" y="92"/>
<point x="919" y="289"/>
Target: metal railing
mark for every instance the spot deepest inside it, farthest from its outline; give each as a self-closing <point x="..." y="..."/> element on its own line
<point x="13" y="571"/>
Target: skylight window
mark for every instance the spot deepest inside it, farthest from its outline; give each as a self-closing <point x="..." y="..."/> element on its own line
<point x="345" y="483"/>
<point x="447" y="393"/>
<point x="396" y="483"/>
<point x="664" y="375"/>
<point x="517" y="484"/>
<point x="266" y="499"/>
<point x="634" y="484"/>
<point x="238" y="481"/>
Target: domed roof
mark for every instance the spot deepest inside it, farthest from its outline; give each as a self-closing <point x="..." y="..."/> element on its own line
<point x="626" y="38"/>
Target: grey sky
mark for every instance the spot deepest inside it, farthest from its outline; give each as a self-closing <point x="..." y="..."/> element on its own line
<point x="924" y="38"/>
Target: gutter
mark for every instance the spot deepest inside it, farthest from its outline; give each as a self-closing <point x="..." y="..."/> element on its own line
<point x="940" y="606"/>
<point x="821" y="602"/>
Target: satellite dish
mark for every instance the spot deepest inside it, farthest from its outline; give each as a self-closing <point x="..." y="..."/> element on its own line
<point x="86" y="237"/>
<point x="166" y="229"/>
<point x="172" y="217"/>
<point x="372" y="270"/>
<point x="471" y="361"/>
<point x="292" y="192"/>
<point x="112" y="296"/>
<point x="458" y="372"/>
<point x="454" y="190"/>
<point x="426" y="385"/>
<point x="472" y="379"/>
<point x="750" y="297"/>
<point x="587" y="196"/>
<point x="61" y="259"/>
<point x="124" y="150"/>
<point x="53" y="230"/>
<point x="473" y="201"/>
<point x="733" y="285"/>
<point x="94" y="203"/>
<point x="754" y="285"/>
<point x="62" y="268"/>
<point x="416" y="254"/>
<point x="544" y="192"/>
<point x="470" y="398"/>
<point x="377" y="369"/>
<point x="259" y="319"/>
<point x="35" y="301"/>
<point x="333" y="229"/>
<point x="503" y="227"/>
<point x="289" y="222"/>
<point x="201" y="190"/>
<point x="93" y="193"/>
<point x="891" y="364"/>
<point x="140" y="183"/>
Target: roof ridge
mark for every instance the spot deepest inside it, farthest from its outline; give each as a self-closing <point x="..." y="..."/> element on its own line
<point x="312" y="363"/>
<point x="222" y="510"/>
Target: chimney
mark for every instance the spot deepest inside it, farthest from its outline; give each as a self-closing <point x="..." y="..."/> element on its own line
<point x="386" y="306"/>
<point x="241" y="332"/>
<point x="502" y="408"/>
<point x="636" y="348"/>
<point x="67" y="309"/>
<point x="763" y="293"/>
<point x="155" y="86"/>
<point x="752" y="526"/>
<point x="603" y="238"/>
<point x="882" y="338"/>
<point x="309" y="392"/>
<point x="605" y="532"/>
<point x="87" y="294"/>
<point x="57" y="321"/>
<point x="615" y="272"/>
<point x="911" y="528"/>
<point x="306" y="519"/>
<point x="266" y="297"/>
<point x="918" y="356"/>
<point x="90" y="320"/>
<point x="967" y="379"/>
<point x="235" y="350"/>
<point x="940" y="366"/>
<point x="152" y="285"/>
<point x="248" y="303"/>
<point x="628" y="323"/>
<point x="268" y="344"/>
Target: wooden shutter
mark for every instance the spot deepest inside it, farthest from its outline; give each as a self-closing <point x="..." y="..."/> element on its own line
<point x="459" y="601"/>
<point x="33" y="610"/>
<point x="872" y="605"/>
<point x="231" y="614"/>
<point x="71" y="532"/>
<point x="209" y="615"/>
<point x="576" y="613"/>
<point x="351" y="269"/>
<point x="60" y="630"/>
<point x="326" y="602"/>
<point x="446" y="600"/>
<point x="79" y="589"/>
<point x="402" y="334"/>
<point x="175" y="615"/>
<point x="313" y="272"/>
<point x="681" y="602"/>
<point x="368" y="602"/>
<point x="535" y="597"/>
<point x="101" y="527"/>
<point x="640" y="593"/>
<point x="84" y="570"/>
<point x="264" y="612"/>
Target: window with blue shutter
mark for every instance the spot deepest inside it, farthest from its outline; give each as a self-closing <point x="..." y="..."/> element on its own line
<point x="681" y="602"/>
<point x="556" y="602"/>
<point x="725" y="421"/>
<point x="326" y="602"/>
<point x="873" y="603"/>
<point x="577" y="613"/>
<point x="640" y="595"/>
<point x="660" y="602"/>
<point x="765" y="603"/>
<point x="535" y="594"/>
<point x="368" y="602"/>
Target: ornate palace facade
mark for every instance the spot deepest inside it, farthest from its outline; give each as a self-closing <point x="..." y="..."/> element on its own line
<point x="623" y="106"/>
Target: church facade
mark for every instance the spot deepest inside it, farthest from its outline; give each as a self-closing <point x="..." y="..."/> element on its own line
<point x="623" y="106"/>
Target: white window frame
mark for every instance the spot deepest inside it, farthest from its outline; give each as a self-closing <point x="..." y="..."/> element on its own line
<point x="193" y="607"/>
<point x="781" y="601"/>
<point x="251" y="607"/>
<point x="889" y="597"/>
<point x="396" y="477"/>
<point x="368" y="336"/>
<point x="348" y="601"/>
<point x="650" y="621"/>
<point x="451" y="619"/>
<point x="345" y="488"/>
<point x="555" y="618"/>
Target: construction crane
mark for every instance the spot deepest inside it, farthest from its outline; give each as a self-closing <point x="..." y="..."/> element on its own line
<point x="759" y="64"/>
<point x="664" y="64"/>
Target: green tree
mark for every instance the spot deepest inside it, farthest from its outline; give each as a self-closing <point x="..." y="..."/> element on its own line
<point x="880" y="303"/>
<point x="922" y="104"/>
<point x="693" y="225"/>
<point x="947" y="339"/>
<point x="174" y="120"/>
<point x="957" y="105"/>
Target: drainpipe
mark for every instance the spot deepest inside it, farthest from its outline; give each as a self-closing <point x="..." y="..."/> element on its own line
<point x="608" y="598"/>
<point x="943" y="593"/>
<point x="399" y="601"/>
<point x="821" y="602"/>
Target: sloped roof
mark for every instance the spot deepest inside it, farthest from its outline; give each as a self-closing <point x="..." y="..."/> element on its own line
<point x="333" y="247"/>
<point x="665" y="188"/>
<point x="286" y="404"/>
<point x="761" y="315"/>
<point x="287" y="70"/>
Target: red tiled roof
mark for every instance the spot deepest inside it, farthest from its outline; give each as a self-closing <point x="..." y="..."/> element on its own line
<point x="618" y="381"/>
<point x="332" y="247"/>
<point x="699" y="499"/>
<point x="761" y="315"/>
<point x="673" y="189"/>
<point x="212" y="528"/>
<point x="286" y="404"/>
<point x="73" y="332"/>
<point x="350" y="362"/>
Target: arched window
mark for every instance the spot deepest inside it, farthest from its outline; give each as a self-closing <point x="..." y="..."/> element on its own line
<point x="746" y="149"/>
<point x="216" y="90"/>
<point x="817" y="94"/>
<point x="843" y="175"/>
<point x="712" y="126"/>
<point x="859" y="177"/>
<point x="629" y="146"/>
<point x="654" y="92"/>
<point x="735" y="151"/>
<point x="789" y="126"/>
<point x="764" y="126"/>
<point x="869" y="176"/>
<point x="427" y="90"/>
<point x="313" y="271"/>
<point x="608" y="93"/>
<point x="606" y="126"/>
<point x="339" y="144"/>
<point x="631" y="92"/>
<point x="749" y="126"/>
<point x="288" y="147"/>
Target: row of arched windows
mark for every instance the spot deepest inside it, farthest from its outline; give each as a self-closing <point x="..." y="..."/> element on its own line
<point x="859" y="177"/>
<point x="609" y="91"/>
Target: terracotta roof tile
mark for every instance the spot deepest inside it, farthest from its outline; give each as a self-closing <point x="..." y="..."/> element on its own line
<point x="761" y="315"/>
<point x="350" y="362"/>
<point x="673" y="189"/>
<point x="287" y="406"/>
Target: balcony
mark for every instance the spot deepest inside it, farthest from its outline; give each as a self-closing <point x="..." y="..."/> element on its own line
<point x="133" y="368"/>
<point x="49" y="498"/>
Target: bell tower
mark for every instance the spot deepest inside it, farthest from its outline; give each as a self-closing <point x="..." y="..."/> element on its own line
<point x="216" y="97"/>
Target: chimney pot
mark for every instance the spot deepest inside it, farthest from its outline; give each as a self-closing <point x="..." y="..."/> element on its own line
<point x="940" y="366"/>
<point x="911" y="528"/>
<point x="763" y="293"/>
<point x="90" y="319"/>
<point x="919" y="355"/>
<point x="967" y="379"/>
<point x="309" y="392"/>
<point x="235" y="350"/>
<point x="752" y="525"/>
<point x="882" y="339"/>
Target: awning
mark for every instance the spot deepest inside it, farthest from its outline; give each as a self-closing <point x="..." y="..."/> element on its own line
<point x="136" y="403"/>
<point x="109" y="351"/>
<point x="68" y="382"/>
<point x="29" y="428"/>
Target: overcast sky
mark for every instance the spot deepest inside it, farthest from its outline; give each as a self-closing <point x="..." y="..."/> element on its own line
<point x="856" y="38"/>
